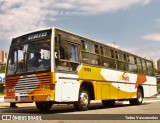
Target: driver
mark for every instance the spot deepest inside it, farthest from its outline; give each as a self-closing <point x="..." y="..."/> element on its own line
<point x="35" y="61"/>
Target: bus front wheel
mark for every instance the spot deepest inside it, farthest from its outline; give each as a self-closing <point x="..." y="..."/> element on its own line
<point x="139" y="99"/>
<point x="83" y="102"/>
<point x="44" y="106"/>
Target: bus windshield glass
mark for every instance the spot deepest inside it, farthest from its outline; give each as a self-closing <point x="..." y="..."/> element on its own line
<point x="17" y="58"/>
<point x="38" y="56"/>
<point x="29" y="56"/>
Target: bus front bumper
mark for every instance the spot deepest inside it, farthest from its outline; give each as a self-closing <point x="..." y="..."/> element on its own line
<point x="29" y="98"/>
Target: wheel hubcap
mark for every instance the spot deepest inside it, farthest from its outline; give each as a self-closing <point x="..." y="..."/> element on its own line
<point x="140" y="97"/>
<point x="84" y="99"/>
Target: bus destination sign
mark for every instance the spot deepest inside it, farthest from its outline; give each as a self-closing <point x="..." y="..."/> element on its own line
<point x="37" y="35"/>
<point x="32" y="36"/>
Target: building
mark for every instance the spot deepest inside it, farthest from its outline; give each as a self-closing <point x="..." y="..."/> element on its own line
<point x="3" y="60"/>
<point x="3" y="57"/>
<point x="158" y="64"/>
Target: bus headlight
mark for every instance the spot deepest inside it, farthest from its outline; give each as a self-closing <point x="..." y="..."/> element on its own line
<point x="48" y="87"/>
<point x="45" y="87"/>
<point x="10" y="90"/>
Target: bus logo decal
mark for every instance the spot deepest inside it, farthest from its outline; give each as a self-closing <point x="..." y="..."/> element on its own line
<point x="38" y="35"/>
<point x="124" y="76"/>
<point x="87" y="69"/>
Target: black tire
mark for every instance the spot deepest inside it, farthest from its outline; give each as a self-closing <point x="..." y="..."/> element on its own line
<point x="44" y="106"/>
<point x="139" y="99"/>
<point x="108" y="103"/>
<point x="83" y="102"/>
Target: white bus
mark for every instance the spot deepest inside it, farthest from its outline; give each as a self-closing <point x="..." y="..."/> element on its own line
<point x="55" y="66"/>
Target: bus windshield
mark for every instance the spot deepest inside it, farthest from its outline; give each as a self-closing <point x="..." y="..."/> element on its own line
<point x="29" y="57"/>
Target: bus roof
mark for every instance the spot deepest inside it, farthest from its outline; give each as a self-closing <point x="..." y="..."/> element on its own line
<point x="101" y="43"/>
<point x="31" y="32"/>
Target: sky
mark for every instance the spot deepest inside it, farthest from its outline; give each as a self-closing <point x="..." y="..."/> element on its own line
<point x="131" y="25"/>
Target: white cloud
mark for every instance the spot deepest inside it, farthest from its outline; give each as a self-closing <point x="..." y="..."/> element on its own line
<point x="152" y="37"/>
<point x="146" y="51"/>
<point x="93" y="7"/>
<point x="113" y="44"/>
<point x="157" y="21"/>
<point x="17" y="16"/>
<point x="21" y="16"/>
<point x="113" y="5"/>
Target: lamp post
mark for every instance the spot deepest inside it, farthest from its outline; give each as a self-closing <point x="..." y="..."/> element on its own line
<point x="114" y="44"/>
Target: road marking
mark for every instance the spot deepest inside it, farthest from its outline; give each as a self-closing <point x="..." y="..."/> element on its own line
<point x="126" y="102"/>
<point x="145" y="101"/>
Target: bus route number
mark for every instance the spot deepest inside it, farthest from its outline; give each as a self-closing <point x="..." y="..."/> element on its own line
<point x="87" y="69"/>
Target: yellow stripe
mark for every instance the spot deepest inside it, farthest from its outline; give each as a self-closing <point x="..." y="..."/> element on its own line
<point x="102" y="90"/>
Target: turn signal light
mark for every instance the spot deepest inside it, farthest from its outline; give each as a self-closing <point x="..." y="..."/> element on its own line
<point x="10" y="90"/>
<point x="48" y="87"/>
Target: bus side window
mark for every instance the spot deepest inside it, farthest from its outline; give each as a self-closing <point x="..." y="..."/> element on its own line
<point x="144" y="66"/>
<point x="107" y="52"/>
<point x="150" y="68"/>
<point x="57" y="41"/>
<point x="112" y="53"/>
<point x="116" y="54"/>
<point x="132" y="67"/>
<point x="136" y="67"/>
<point x="62" y="50"/>
<point x="107" y="58"/>
<point x="139" y="64"/>
<point x="83" y="45"/>
<point x="121" y="61"/>
<point x="96" y="48"/>
<point x="89" y="58"/>
<point x="69" y="59"/>
<point x="101" y="48"/>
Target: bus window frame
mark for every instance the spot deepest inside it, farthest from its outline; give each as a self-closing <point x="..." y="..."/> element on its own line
<point x="119" y="61"/>
<point x="101" y="55"/>
<point x="59" y="60"/>
<point x="139" y="65"/>
<point x="27" y="58"/>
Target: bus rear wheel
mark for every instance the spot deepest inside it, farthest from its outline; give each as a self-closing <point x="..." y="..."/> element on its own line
<point x="139" y="99"/>
<point x="83" y="102"/>
<point x="108" y="103"/>
<point x="44" y="106"/>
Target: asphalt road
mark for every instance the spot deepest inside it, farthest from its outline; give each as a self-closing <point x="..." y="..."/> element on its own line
<point x="121" y="111"/>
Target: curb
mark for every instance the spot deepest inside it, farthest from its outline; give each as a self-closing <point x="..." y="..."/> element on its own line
<point x="158" y="96"/>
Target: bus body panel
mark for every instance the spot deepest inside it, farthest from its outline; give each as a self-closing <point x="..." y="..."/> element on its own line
<point x="30" y="88"/>
<point x="67" y="87"/>
<point x="64" y="86"/>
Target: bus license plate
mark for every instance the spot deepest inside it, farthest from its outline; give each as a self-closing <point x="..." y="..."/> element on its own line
<point x="24" y="97"/>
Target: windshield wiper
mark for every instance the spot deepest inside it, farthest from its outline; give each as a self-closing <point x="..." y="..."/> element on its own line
<point x="35" y="70"/>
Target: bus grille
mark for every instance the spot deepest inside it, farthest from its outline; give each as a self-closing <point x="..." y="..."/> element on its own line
<point x="28" y="83"/>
